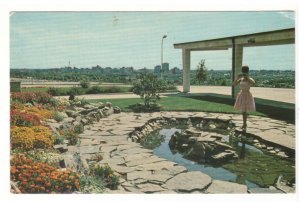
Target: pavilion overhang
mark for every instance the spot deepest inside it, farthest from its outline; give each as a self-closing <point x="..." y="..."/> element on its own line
<point x="236" y="43"/>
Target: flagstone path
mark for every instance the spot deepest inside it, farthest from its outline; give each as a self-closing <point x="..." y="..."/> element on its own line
<point x="143" y="172"/>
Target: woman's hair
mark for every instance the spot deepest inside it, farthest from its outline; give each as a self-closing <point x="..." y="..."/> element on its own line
<point x="245" y="69"/>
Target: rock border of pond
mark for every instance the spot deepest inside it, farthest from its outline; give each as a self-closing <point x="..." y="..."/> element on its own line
<point x="252" y="138"/>
<point x="115" y="139"/>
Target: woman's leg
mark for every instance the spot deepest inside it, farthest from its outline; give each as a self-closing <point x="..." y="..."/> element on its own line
<point x="244" y="120"/>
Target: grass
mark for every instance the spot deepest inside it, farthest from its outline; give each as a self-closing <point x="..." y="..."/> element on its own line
<point x="176" y="103"/>
<point x="211" y="103"/>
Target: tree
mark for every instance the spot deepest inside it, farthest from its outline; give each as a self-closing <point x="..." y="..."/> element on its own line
<point x="148" y="87"/>
<point x="201" y="74"/>
<point x="85" y="83"/>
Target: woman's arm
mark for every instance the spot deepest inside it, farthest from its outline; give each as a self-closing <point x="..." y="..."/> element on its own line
<point x="250" y="80"/>
<point x="237" y="81"/>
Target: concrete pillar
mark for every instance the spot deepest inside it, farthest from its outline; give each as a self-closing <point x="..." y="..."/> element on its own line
<point x="237" y="62"/>
<point x="186" y="62"/>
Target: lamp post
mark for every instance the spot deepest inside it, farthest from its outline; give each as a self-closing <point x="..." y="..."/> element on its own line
<point x="162" y="42"/>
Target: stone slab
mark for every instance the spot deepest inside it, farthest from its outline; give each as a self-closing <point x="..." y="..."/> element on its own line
<point x="157" y="165"/>
<point x="188" y="182"/>
<point x="150" y="188"/>
<point x="264" y="191"/>
<point x="149" y="176"/>
<point x="219" y="187"/>
<point x="143" y="160"/>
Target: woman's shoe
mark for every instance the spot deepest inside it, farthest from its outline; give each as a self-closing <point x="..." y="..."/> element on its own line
<point x="244" y="127"/>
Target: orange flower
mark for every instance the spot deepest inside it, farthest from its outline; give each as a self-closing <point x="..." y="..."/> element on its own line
<point x="13" y="170"/>
<point x="77" y="185"/>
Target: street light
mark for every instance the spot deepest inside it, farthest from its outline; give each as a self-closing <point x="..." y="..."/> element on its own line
<point x="162" y="42"/>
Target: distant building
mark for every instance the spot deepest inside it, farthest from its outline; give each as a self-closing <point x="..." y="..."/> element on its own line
<point x="157" y="70"/>
<point x="175" y="70"/>
<point x="165" y="68"/>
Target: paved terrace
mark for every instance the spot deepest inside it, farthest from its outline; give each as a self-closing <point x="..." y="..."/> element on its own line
<point x="143" y="172"/>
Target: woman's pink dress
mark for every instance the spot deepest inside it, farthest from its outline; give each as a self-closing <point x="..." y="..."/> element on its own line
<point x="244" y="100"/>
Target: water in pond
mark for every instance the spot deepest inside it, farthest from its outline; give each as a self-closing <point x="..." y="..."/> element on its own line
<point x="256" y="169"/>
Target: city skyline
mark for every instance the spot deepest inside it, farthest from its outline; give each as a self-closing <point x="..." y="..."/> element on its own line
<point x="133" y="39"/>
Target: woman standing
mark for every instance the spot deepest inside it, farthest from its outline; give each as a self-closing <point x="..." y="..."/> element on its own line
<point x="244" y="100"/>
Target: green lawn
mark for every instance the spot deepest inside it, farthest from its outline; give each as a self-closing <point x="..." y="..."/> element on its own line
<point x="175" y="103"/>
<point x="211" y="103"/>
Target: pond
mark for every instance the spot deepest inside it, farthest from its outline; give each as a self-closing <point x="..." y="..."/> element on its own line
<point x="253" y="167"/>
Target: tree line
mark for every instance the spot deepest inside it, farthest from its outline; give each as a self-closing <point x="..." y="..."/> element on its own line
<point x="200" y="76"/>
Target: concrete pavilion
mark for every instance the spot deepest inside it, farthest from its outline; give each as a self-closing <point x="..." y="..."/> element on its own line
<point x="237" y="43"/>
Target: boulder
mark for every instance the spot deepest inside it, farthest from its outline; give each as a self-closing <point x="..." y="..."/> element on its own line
<point x="85" y="121"/>
<point x="282" y="154"/>
<point x="193" y="131"/>
<point x="78" y="118"/>
<point x="107" y="111"/>
<point x="117" y="110"/>
<point x="224" y="156"/>
<point x="71" y="113"/>
<point x="69" y="120"/>
<point x="87" y="111"/>
<point x="108" y="104"/>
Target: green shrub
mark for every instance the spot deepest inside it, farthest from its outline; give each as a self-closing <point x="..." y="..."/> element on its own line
<point x="70" y="135"/>
<point x="112" y="89"/>
<point x="75" y="91"/>
<point x="107" y="175"/>
<point x="15" y="86"/>
<point x="58" y="91"/>
<point x="78" y="128"/>
<point x="53" y="102"/>
<point x="90" y="184"/>
<point x="58" y="139"/>
<point x="53" y="91"/>
<point x="85" y="83"/>
<point x="148" y="87"/>
<point x="94" y="90"/>
<point x="58" y="116"/>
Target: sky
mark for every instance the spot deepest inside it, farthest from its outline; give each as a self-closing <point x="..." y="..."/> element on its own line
<point x="117" y="39"/>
